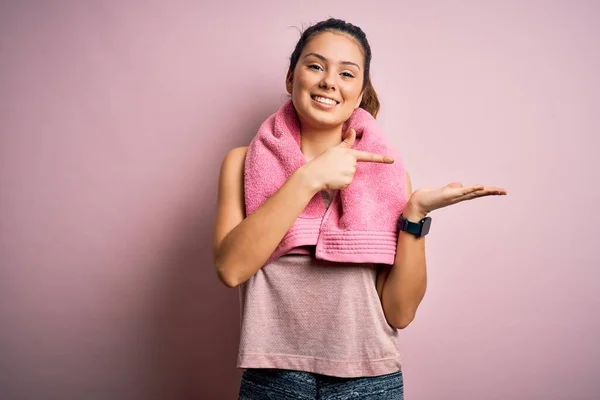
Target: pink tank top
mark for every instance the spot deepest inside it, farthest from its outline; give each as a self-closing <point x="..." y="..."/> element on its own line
<point x="305" y="314"/>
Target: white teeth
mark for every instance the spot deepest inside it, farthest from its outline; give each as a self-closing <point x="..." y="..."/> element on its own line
<point x="325" y="100"/>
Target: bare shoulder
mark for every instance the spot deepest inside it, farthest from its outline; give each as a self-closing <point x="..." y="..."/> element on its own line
<point x="233" y="163"/>
<point x="236" y="155"/>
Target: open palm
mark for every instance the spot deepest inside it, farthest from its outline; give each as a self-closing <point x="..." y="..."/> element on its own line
<point x="428" y="200"/>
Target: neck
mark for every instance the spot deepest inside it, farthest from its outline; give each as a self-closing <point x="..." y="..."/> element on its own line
<point x="315" y="141"/>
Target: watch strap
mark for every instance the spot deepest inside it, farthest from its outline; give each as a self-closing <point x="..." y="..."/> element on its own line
<point x="418" y="229"/>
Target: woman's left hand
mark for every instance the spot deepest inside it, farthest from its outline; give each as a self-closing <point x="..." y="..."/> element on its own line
<point x="423" y="201"/>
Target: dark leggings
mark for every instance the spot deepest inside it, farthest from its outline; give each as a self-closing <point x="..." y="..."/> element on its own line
<point x="279" y="384"/>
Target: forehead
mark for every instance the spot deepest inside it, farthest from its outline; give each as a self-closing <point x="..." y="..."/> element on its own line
<point x="335" y="47"/>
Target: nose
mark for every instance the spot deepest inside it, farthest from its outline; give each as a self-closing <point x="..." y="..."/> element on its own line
<point x="328" y="81"/>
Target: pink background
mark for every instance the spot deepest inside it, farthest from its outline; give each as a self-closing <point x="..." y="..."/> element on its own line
<point x="115" y="117"/>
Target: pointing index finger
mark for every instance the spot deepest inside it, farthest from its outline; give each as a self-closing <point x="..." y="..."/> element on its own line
<point x="366" y="156"/>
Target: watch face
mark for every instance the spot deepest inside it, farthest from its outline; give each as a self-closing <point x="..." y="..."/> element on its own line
<point x="426" y="225"/>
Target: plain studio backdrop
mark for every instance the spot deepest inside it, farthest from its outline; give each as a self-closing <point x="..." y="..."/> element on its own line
<point x="115" y="117"/>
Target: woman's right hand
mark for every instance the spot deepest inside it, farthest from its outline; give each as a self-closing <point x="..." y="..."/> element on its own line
<point x="335" y="168"/>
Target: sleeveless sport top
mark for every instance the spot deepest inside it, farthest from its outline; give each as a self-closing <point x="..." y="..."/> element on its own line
<point x="305" y="314"/>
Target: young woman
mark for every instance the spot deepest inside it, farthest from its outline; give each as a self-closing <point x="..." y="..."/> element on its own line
<point x="313" y="328"/>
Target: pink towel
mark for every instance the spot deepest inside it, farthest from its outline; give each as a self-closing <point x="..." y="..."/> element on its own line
<point x="359" y="226"/>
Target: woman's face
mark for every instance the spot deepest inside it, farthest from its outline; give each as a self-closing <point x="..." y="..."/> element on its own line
<point x="326" y="85"/>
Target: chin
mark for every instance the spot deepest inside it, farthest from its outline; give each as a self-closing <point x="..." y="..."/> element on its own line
<point x="325" y="121"/>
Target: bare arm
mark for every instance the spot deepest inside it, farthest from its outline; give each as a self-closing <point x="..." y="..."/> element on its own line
<point x="402" y="287"/>
<point x="242" y="245"/>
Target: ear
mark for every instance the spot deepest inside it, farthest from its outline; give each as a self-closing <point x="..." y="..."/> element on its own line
<point x="289" y="81"/>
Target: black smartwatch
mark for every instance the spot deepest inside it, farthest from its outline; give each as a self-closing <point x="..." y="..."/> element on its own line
<point x="419" y="229"/>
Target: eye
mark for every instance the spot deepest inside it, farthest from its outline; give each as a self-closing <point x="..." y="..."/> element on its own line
<point x="316" y="67"/>
<point x="348" y="74"/>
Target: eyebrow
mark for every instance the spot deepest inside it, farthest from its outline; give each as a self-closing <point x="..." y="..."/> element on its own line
<point x="325" y="59"/>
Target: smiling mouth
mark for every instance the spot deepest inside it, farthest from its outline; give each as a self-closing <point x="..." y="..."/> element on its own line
<point x="325" y="100"/>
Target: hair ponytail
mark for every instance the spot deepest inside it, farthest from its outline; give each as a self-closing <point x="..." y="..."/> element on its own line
<point x="370" y="101"/>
